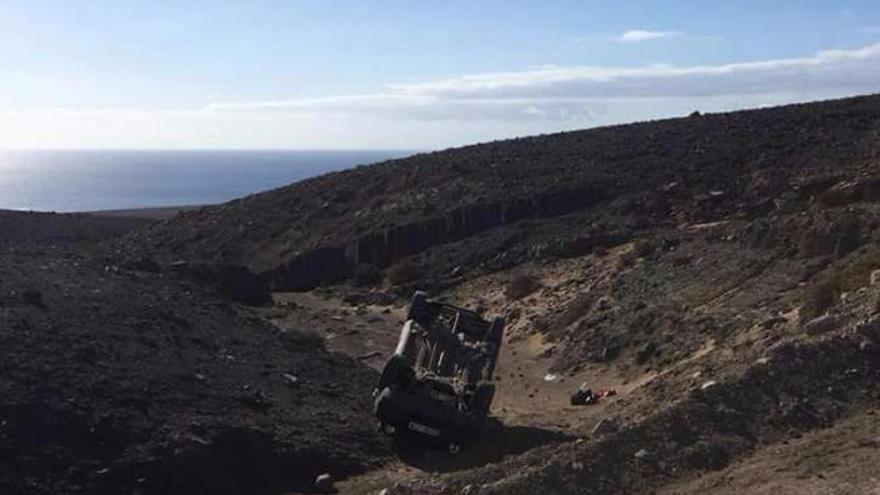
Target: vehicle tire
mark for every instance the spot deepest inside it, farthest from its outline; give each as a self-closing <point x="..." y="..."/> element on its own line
<point x="495" y="337"/>
<point x="382" y="408"/>
<point x="397" y="373"/>
<point x="417" y="307"/>
<point x="481" y="401"/>
<point x="496" y="331"/>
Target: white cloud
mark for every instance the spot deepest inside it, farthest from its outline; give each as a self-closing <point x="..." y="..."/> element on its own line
<point x="560" y="91"/>
<point x="459" y="110"/>
<point x="636" y="35"/>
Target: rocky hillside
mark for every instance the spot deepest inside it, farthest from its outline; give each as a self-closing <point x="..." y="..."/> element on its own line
<point x="128" y="379"/>
<point x="695" y="169"/>
<point x="719" y="272"/>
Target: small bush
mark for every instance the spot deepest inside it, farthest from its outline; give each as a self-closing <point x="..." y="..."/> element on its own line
<point x="576" y="310"/>
<point x="833" y="198"/>
<point x="835" y="238"/>
<point x="820" y="297"/>
<point x="403" y="273"/>
<point x="644" y="248"/>
<point x="366" y="274"/>
<point x="625" y="260"/>
<point x="521" y="287"/>
<point x="851" y="276"/>
<point x="707" y="456"/>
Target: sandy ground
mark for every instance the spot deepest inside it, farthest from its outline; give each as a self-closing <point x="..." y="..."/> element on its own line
<point x="531" y="402"/>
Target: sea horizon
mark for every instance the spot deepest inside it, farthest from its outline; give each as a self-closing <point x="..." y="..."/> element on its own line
<point x="92" y="180"/>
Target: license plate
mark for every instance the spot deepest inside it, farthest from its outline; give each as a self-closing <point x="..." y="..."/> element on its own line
<point x="427" y="430"/>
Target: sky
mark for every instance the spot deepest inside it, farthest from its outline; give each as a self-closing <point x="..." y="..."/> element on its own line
<point x="327" y="74"/>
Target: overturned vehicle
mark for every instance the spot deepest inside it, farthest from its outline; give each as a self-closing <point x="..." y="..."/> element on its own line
<point x="437" y="384"/>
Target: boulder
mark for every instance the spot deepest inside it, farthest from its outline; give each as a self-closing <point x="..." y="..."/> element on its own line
<point x="605" y="426"/>
<point x="324" y="482"/>
<point x="820" y="325"/>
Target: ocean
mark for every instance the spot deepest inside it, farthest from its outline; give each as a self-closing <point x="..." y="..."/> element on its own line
<point x="66" y="181"/>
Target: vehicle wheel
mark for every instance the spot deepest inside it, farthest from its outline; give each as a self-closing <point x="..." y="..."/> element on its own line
<point x="380" y="405"/>
<point x="397" y="372"/>
<point x="417" y="306"/>
<point x="481" y="401"/>
<point x="495" y="338"/>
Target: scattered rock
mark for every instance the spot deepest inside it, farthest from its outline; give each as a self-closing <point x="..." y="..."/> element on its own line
<point x="642" y="454"/>
<point x="324" y="482"/>
<point x="605" y="426"/>
<point x="708" y="385"/>
<point x="291" y="379"/>
<point x="609" y="353"/>
<point x="646" y="352"/>
<point x="772" y="322"/>
<point x="875" y="277"/>
<point x="821" y="325"/>
<point x="142" y="264"/>
<point x="468" y="490"/>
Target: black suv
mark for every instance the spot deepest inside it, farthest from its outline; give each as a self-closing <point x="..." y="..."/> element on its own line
<point x="437" y="384"/>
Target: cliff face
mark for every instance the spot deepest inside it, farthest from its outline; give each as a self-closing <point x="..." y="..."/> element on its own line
<point x="701" y="167"/>
<point x="384" y="247"/>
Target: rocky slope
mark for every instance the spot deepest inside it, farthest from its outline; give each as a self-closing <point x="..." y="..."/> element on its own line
<point x="695" y="169"/>
<point x="128" y="379"/>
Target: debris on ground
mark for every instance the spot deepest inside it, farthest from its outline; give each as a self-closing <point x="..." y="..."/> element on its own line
<point x="584" y="396"/>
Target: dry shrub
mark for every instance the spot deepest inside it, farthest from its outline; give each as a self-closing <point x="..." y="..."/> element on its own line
<point x="573" y="312"/>
<point x="521" y="287"/>
<point x="625" y="261"/>
<point x="835" y="238"/>
<point x="820" y="297"/>
<point x="852" y="275"/>
<point x="644" y="248"/>
<point x="834" y="198"/>
<point x="366" y="274"/>
<point x="403" y="273"/>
